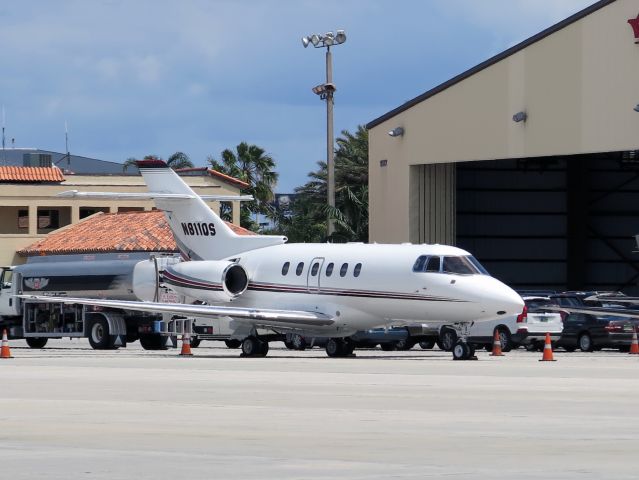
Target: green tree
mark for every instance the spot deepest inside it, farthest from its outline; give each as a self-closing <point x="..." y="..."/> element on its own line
<point x="305" y="218"/>
<point x="176" y="161"/>
<point x="252" y="165"/>
<point x="179" y="160"/>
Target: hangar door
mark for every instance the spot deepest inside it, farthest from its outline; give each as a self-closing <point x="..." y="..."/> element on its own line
<point x="554" y="222"/>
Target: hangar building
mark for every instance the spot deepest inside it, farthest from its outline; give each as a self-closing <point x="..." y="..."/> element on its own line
<point x="529" y="160"/>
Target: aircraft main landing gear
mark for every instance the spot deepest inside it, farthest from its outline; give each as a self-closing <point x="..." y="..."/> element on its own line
<point x="254" y="347"/>
<point x="338" y="347"/>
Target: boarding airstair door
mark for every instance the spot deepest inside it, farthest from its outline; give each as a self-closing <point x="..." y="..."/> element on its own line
<point x="314" y="274"/>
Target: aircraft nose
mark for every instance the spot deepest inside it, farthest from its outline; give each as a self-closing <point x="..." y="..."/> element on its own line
<point x="501" y="300"/>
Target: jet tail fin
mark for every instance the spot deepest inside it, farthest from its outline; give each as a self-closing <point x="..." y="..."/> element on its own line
<point x="199" y="232"/>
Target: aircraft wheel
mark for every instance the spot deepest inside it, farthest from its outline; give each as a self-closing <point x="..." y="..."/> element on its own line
<point x="251" y="346"/>
<point x="336" y="347"/>
<point x="461" y="351"/>
<point x="299" y="343"/>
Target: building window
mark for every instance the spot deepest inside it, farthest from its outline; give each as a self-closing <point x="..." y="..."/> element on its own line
<point x="48" y="219"/>
<point x="285" y="268"/>
<point x="23" y="219"/>
<point x="343" y="270"/>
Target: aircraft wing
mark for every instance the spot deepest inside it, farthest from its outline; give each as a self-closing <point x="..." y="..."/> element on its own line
<point x="150" y="196"/>
<point x="601" y="311"/>
<point x="291" y="318"/>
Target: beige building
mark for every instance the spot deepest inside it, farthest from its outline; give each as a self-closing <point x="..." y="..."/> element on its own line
<point x="529" y="159"/>
<point x="30" y="208"/>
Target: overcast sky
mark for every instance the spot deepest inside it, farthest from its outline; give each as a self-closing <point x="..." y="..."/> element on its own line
<point x="153" y="77"/>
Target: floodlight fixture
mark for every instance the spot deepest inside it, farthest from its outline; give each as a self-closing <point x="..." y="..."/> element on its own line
<point x="340" y="37"/>
<point x="520" y="117"/>
<point x="636" y="109"/>
<point x="305" y="41"/>
<point x="397" y="132"/>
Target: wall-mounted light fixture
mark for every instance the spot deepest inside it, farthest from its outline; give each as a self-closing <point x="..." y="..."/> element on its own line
<point x="397" y="132"/>
<point x="383" y="163"/>
<point x="520" y="117"/>
<point x="636" y="109"/>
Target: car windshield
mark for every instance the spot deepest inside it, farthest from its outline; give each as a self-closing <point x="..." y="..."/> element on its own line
<point x="537" y="303"/>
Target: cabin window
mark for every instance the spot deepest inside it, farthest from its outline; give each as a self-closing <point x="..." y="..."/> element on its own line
<point x="427" y="263"/>
<point x="458" y="265"/>
<point x="329" y="269"/>
<point x="433" y="264"/>
<point x="419" y="264"/>
<point x="285" y="268"/>
<point x="299" y="269"/>
<point x="357" y="270"/>
<point x="315" y="269"/>
<point x="343" y="270"/>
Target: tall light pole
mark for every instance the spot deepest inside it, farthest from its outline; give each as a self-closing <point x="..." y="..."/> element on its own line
<point x="325" y="92"/>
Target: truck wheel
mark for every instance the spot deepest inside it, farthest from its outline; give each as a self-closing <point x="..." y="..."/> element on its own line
<point x="427" y="344"/>
<point x="151" y="341"/>
<point x="447" y="339"/>
<point x="36" y="342"/>
<point x="388" y="347"/>
<point x="233" y="343"/>
<point x="99" y="337"/>
<point x="405" y="344"/>
<point x="585" y="343"/>
<point x="195" y="342"/>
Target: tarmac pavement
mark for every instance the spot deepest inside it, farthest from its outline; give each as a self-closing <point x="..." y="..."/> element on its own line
<point x="69" y="412"/>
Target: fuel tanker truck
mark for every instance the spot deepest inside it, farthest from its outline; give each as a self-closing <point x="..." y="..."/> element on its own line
<point x="114" y="276"/>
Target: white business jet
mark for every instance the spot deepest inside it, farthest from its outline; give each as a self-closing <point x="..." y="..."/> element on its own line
<point x="327" y="290"/>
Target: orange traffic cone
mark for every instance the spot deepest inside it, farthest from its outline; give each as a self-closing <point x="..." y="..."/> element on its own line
<point x="634" y="345"/>
<point x="496" y="346"/>
<point x="186" y="346"/>
<point x="547" y="356"/>
<point x="5" y="352"/>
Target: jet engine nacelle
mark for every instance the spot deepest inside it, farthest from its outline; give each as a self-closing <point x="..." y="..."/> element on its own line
<point x="211" y="281"/>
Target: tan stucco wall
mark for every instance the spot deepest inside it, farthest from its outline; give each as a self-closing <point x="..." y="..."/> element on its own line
<point x="578" y="86"/>
<point x="33" y="196"/>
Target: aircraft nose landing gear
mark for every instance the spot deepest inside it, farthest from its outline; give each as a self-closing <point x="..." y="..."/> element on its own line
<point x="462" y="350"/>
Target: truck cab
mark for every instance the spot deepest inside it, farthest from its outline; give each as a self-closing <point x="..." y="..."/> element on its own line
<point x="9" y="305"/>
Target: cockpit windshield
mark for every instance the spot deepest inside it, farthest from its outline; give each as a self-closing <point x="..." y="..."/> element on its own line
<point x="455" y="264"/>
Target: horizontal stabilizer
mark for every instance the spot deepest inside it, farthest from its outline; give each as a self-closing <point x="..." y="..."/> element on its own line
<point x="152" y="196"/>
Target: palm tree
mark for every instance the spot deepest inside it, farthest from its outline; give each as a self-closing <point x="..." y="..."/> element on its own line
<point x="179" y="160"/>
<point x="128" y="163"/>
<point x="252" y="165"/>
<point x="306" y="218"/>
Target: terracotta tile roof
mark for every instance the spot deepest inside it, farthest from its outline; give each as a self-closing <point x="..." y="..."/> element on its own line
<point x="112" y="232"/>
<point x="31" y="174"/>
<point x="214" y="173"/>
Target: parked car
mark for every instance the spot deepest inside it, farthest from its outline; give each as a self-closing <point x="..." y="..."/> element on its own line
<point x="389" y="339"/>
<point x="529" y="328"/>
<point x="590" y="332"/>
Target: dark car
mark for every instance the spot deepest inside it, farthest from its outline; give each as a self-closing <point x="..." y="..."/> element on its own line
<point x="590" y="332"/>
